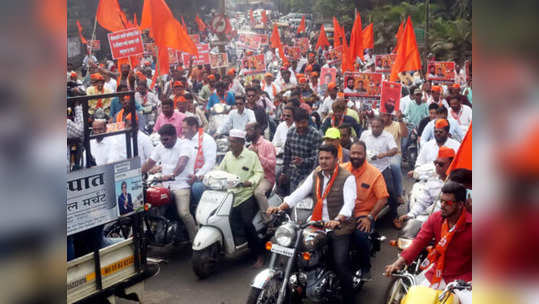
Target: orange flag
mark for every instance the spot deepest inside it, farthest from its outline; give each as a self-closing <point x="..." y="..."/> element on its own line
<point x="146" y="19"/>
<point x="164" y="65"/>
<point x="200" y="23"/>
<point x="183" y="24"/>
<point x="264" y="17"/>
<point x="167" y="32"/>
<point x="463" y="159"/>
<point x="82" y="39"/>
<point x="407" y="58"/>
<point x="347" y="59"/>
<point x="110" y="16"/>
<point x="135" y="21"/>
<point x="301" y="27"/>
<point x="275" y="40"/>
<point x="356" y="42"/>
<point x="322" y="39"/>
<point x="368" y="37"/>
<point x="400" y="31"/>
<point x="336" y="33"/>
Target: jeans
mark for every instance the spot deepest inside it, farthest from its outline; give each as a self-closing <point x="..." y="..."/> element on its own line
<point x="362" y="241"/>
<point x="397" y="173"/>
<point x="241" y="223"/>
<point x="182" y="199"/>
<point x="196" y="192"/>
<point x="340" y="246"/>
<point x="392" y="200"/>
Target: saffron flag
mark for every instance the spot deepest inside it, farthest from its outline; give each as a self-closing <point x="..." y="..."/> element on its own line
<point x="407" y="58"/>
<point x="110" y="16"/>
<point x="347" y="59"/>
<point x="398" y="36"/>
<point x="146" y="19"/>
<point x="356" y="43"/>
<point x="322" y="39"/>
<point x="200" y="23"/>
<point x="368" y="37"/>
<point x="337" y="38"/>
<point x="275" y="40"/>
<point x="183" y="24"/>
<point x="82" y="39"/>
<point x="301" y="27"/>
<point x="264" y="17"/>
<point x="167" y="32"/>
<point x="463" y="159"/>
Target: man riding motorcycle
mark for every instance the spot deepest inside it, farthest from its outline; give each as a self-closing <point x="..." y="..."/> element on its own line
<point x="451" y="227"/>
<point x="334" y="191"/>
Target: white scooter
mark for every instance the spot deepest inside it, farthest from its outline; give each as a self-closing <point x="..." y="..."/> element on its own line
<point x="214" y="239"/>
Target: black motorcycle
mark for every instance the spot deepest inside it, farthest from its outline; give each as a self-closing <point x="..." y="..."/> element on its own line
<point x="299" y="267"/>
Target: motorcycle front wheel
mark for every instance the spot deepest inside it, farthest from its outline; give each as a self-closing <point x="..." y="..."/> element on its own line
<point x="267" y="295"/>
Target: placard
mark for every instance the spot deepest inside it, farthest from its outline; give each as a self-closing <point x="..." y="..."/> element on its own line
<point x="366" y="86"/>
<point x="383" y="63"/>
<point x="219" y="60"/>
<point x="327" y="75"/>
<point x="254" y="63"/>
<point x="292" y="52"/>
<point x="115" y="126"/>
<point x="334" y="55"/>
<point x="93" y="194"/>
<point x="391" y="92"/>
<point x="201" y="59"/>
<point x="126" y="43"/>
<point x="94" y="44"/>
<point x="172" y="56"/>
<point x="441" y="72"/>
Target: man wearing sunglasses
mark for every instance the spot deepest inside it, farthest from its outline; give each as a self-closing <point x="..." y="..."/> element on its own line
<point x="451" y="228"/>
<point x="429" y="190"/>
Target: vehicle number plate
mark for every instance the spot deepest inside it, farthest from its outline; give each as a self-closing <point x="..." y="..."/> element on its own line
<point x="306" y="204"/>
<point x="282" y="250"/>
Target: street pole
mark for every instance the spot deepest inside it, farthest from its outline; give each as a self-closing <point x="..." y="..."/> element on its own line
<point x="426" y="34"/>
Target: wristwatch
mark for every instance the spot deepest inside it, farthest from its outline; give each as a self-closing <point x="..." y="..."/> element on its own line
<point x="370" y="217"/>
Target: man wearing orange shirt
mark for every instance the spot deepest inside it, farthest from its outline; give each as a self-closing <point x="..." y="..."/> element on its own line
<point x="372" y="195"/>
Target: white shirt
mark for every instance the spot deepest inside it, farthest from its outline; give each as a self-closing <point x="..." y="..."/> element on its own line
<point x="454" y="129"/>
<point x="111" y="84"/>
<point x="349" y="195"/>
<point x="209" y="150"/>
<point x="431" y="100"/>
<point x="404" y="102"/>
<point x="238" y="121"/>
<point x="279" y="139"/>
<point x="237" y="88"/>
<point x="429" y="151"/>
<point x="424" y="194"/>
<point x="145" y="146"/>
<point x="464" y="117"/>
<point x="326" y="105"/>
<point x="109" y="150"/>
<point x="347" y="90"/>
<point x="268" y="88"/>
<point x="149" y="100"/>
<point x="376" y="145"/>
<point x="169" y="159"/>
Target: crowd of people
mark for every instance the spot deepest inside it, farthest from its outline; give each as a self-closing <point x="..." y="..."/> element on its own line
<point x="349" y="158"/>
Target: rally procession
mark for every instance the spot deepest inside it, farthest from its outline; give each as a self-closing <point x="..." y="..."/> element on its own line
<point x="225" y="151"/>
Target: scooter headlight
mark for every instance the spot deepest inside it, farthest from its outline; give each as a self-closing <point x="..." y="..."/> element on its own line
<point x="403" y="243"/>
<point x="285" y="235"/>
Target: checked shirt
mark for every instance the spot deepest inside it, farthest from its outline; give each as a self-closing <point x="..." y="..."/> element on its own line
<point x="304" y="146"/>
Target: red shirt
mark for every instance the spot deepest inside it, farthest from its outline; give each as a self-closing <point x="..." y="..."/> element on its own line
<point x="458" y="257"/>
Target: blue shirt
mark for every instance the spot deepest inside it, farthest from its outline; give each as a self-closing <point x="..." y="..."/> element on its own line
<point x="116" y="106"/>
<point x="230" y="99"/>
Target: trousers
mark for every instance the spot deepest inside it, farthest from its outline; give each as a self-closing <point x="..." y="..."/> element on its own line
<point x="182" y="199"/>
<point x="241" y="223"/>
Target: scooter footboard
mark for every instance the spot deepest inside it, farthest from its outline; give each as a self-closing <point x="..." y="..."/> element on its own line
<point x="205" y="237"/>
<point x="264" y="277"/>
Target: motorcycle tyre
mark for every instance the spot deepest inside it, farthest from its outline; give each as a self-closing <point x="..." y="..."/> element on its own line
<point x="255" y="292"/>
<point x="205" y="261"/>
<point x="395" y="282"/>
<point x="119" y="229"/>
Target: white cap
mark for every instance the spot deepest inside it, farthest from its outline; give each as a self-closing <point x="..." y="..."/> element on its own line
<point x="237" y="133"/>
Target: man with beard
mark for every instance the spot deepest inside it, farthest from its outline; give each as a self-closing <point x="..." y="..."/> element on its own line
<point x="169" y="116"/>
<point x="300" y="150"/>
<point x="286" y="81"/>
<point x="460" y="113"/>
<point x="333" y="190"/>
<point x="238" y="118"/>
<point x="424" y="122"/>
<point x="339" y="117"/>
<point x="436" y="92"/>
<point x="429" y="151"/>
<point x="97" y="88"/>
<point x="346" y="135"/>
<point x="349" y="85"/>
<point x="372" y="196"/>
<point x="417" y="109"/>
<point x="327" y="104"/>
<point x="267" y="156"/>
<point x="451" y="228"/>
<point x="221" y="96"/>
<point x="455" y="131"/>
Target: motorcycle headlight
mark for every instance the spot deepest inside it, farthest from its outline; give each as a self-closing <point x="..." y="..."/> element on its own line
<point x="403" y="243"/>
<point x="285" y="235"/>
<point x="222" y="145"/>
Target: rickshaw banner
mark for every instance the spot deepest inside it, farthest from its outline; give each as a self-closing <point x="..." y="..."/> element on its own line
<point x="99" y="195"/>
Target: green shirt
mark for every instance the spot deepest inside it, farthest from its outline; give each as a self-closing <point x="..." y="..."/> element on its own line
<point x="205" y="92"/>
<point x="247" y="166"/>
<point x="416" y="112"/>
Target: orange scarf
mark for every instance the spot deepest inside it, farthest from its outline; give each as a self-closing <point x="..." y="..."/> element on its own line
<point x="317" y="212"/>
<point x="199" y="160"/>
<point x="437" y="255"/>
<point x="120" y="116"/>
<point x="340" y="154"/>
<point x="333" y="121"/>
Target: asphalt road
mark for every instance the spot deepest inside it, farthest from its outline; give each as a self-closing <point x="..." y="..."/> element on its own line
<point x="176" y="282"/>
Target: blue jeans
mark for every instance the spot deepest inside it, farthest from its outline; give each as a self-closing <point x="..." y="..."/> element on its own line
<point x="397" y="173"/>
<point x="362" y="241"/>
<point x="196" y="192"/>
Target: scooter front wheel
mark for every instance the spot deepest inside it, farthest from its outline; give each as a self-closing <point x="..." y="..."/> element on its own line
<point x="205" y="261"/>
<point x="396" y="291"/>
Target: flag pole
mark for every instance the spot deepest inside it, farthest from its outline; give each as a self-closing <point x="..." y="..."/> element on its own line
<point x="91" y="46"/>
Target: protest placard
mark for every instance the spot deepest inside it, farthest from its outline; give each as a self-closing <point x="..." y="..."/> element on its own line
<point x="327" y="75"/>
<point x="383" y="63"/>
<point x="201" y="59"/>
<point x="366" y="86"/>
<point x="126" y="43"/>
<point x="95" y="45"/>
<point x="441" y="72"/>
<point x="254" y="63"/>
<point x="219" y="60"/>
<point x="391" y="93"/>
<point x="172" y="56"/>
<point x="292" y="52"/>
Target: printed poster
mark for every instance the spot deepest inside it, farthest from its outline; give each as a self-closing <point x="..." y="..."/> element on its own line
<point x="441" y="72"/>
<point x="219" y="60"/>
<point x="391" y="92"/>
<point x="363" y="86"/>
<point x="94" y="195"/>
<point x="383" y="63"/>
<point x="292" y="52"/>
<point x="126" y="43"/>
<point x="254" y="63"/>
